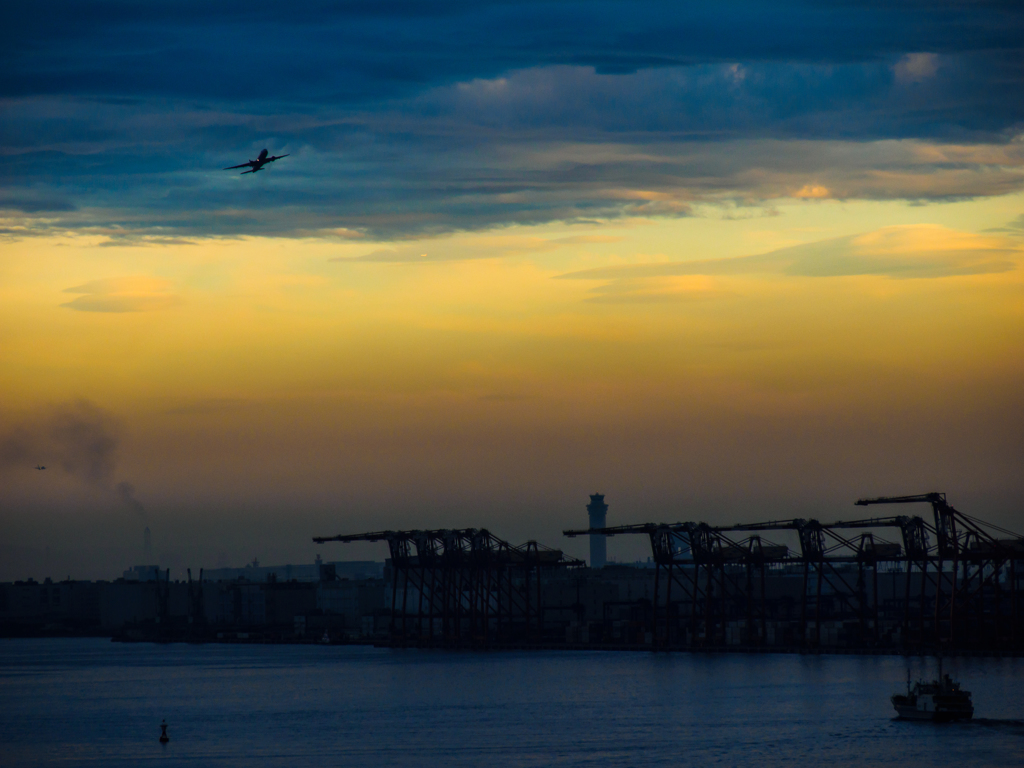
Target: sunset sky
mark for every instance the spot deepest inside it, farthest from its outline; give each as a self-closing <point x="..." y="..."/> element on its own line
<point x="727" y="262"/>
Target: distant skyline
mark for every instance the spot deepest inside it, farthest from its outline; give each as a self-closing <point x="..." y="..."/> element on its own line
<point x="722" y="263"/>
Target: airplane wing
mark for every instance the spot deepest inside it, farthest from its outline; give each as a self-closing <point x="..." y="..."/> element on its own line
<point x="272" y="159"/>
<point x="232" y="167"/>
<point x="251" y="170"/>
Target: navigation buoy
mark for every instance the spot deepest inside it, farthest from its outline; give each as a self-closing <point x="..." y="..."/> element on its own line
<point x="164" y="738"/>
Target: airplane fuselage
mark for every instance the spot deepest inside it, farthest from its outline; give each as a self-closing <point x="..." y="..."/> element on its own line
<point x="257" y="164"/>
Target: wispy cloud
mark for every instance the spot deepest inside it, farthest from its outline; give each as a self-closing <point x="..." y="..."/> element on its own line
<point x="1015" y="227"/>
<point x="208" y="406"/>
<point x="482" y="247"/>
<point x="35" y="204"/>
<point x="123" y="294"/>
<point x="916" y="67"/>
<point x="911" y="252"/>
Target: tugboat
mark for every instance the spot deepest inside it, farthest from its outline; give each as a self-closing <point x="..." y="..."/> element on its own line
<point x="940" y="700"/>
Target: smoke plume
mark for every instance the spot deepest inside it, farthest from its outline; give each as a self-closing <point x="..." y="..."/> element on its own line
<point x="80" y="438"/>
<point x="126" y="491"/>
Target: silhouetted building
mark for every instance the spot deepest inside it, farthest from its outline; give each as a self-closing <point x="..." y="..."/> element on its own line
<point x="142" y="572"/>
<point x="598" y="544"/>
<point x="316" y="571"/>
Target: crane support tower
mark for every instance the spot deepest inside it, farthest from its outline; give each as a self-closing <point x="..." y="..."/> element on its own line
<point x="597" y="511"/>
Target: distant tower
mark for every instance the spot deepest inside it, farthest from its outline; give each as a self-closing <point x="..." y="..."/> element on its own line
<point x="598" y="543"/>
<point x="147" y="546"/>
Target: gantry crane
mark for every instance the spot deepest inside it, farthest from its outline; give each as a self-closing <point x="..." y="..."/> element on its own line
<point x="464" y="586"/>
<point x="722" y="577"/>
<point x="970" y="596"/>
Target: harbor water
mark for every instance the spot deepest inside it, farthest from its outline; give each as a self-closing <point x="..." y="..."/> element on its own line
<point x="90" y="702"/>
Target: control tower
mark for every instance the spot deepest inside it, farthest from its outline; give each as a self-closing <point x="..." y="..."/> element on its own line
<point x="598" y="543"/>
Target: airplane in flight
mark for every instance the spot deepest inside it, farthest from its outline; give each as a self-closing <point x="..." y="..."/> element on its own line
<point x="257" y="164"/>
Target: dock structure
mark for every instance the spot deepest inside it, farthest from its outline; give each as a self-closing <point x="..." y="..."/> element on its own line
<point x="464" y="587"/>
<point x="952" y="583"/>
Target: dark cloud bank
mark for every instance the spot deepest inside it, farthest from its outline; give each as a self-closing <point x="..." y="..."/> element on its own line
<point x="412" y="117"/>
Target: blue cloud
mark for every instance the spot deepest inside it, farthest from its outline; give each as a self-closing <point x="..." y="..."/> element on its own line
<point x="411" y="117"/>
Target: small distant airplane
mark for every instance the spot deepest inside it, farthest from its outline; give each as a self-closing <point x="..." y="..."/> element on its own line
<point x="257" y="164"/>
<point x="40" y="467"/>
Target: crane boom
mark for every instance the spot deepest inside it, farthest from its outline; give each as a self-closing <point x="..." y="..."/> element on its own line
<point x="931" y="498"/>
<point x="640" y="528"/>
<point x="377" y="536"/>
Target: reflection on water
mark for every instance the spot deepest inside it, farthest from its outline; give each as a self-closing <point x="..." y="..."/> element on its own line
<point x="92" y="702"/>
<point x="1016" y="725"/>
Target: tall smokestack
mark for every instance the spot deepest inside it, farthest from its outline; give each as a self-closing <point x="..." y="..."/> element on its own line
<point x="147" y="546"/>
<point x="598" y="543"/>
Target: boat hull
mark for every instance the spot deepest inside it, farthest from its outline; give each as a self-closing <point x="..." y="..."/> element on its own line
<point x="938" y="712"/>
<point x="913" y="713"/>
